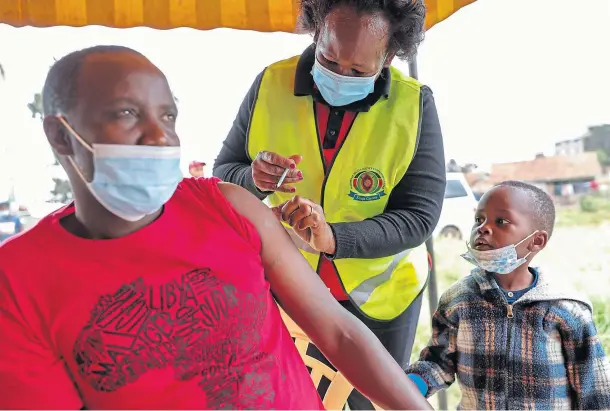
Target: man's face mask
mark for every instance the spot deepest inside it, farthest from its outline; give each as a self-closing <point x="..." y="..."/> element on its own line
<point x="130" y="181"/>
<point x="500" y="260"/>
<point x="340" y="90"/>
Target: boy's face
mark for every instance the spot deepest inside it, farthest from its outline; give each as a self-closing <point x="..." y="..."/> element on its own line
<point x="503" y="218"/>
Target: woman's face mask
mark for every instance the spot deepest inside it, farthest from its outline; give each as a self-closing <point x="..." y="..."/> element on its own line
<point x="131" y="181"/>
<point x="339" y="90"/>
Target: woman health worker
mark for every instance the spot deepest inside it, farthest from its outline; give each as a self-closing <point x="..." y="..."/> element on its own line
<point x="364" y="152"/>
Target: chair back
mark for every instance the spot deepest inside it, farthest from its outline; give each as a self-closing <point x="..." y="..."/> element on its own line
<point x="339" y="388"/>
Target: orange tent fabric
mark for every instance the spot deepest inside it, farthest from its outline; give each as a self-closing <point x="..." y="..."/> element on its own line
<point x="259" y="15"/>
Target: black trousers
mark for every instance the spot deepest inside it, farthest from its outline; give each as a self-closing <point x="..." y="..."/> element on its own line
<point x="397" y="336"/>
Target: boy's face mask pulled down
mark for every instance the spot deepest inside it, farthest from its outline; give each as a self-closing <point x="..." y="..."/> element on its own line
<point x="498" y="261"/>
<point x="130" y="181"/>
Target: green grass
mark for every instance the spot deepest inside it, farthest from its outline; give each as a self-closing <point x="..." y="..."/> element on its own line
<point x="601" y="317"/>
<point x="572" y="217"/>
<point x="575" y="216"/>
<point x="587" y="271"/>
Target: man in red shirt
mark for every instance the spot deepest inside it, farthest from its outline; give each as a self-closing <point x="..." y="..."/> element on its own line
<point x="153" y="291"/>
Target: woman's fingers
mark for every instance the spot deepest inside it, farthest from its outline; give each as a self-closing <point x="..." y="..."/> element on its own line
<point x="267" y="169"/>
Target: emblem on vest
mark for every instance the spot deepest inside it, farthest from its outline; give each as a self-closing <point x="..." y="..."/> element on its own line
<point x="367" y="185"/>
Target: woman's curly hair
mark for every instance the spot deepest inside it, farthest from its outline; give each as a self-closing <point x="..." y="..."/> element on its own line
<point x="406" y="17"/>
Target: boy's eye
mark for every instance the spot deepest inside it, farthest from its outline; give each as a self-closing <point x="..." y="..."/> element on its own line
<point x="478" y="220"/>
<point x="501" y="221"/>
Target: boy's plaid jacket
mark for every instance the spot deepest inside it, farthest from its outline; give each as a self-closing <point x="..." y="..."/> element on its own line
<point x="542" y="352"/>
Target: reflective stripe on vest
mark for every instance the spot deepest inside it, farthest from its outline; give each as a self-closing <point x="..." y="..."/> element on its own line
<point x="372" y="160"/>
<point x="361" y="294"/>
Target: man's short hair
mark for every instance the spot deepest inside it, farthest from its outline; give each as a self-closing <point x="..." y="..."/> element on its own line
<point x="59" y="91"/>
<point x="541" y="204"/>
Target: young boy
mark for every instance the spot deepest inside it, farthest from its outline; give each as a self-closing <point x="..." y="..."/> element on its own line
<point x="512" y="340"/>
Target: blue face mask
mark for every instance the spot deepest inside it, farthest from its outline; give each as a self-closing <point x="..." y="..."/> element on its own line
<point x="500" y="260"/>
<point x="340" y="90"/>
<point x="131" y="181"/>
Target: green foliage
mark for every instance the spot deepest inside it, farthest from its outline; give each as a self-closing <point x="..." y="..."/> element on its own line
<point x="36" y="106"/>
<point x="594" y="203"/>
<point x="588" y="204"/>
<point x="603" y="158"/>
<point x="574" y="217"/>
<point x="601" y="317"/>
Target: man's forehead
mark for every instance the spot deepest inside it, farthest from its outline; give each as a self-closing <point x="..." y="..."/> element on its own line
<point x="114" y="75"/>
<point x="111" y="65"/>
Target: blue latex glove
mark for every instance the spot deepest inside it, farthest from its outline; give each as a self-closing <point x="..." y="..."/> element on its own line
<point x="419" y="382"/>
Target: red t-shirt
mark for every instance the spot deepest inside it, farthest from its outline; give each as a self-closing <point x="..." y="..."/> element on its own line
<point x="177" y="315"/>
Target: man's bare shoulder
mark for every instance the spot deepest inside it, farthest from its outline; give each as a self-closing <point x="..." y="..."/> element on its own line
<point x="248" y="205"/>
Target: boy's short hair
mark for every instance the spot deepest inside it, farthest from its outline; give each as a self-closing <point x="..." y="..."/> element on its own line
<point x="541" y="204"/>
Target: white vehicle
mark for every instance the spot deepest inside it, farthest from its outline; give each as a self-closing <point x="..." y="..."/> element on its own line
<point x="457" y="215"/>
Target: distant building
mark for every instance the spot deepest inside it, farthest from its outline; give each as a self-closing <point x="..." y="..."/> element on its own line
<point x="596" y="139"/>
<point x="552" y="174"/>
<point x="570" y="147"/>
<point x="479" y="182"/>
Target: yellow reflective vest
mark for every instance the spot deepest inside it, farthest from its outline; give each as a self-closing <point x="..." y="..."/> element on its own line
<point x="372" y="160"/>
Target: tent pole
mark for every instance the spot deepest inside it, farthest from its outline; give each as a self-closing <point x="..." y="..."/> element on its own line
<point x="432" y="286"/>
<point x="413" y="67"/>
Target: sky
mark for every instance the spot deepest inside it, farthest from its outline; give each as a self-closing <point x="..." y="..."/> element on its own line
<point x="510" y="78"/>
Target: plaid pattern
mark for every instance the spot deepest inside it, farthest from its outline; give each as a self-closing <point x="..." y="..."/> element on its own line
<point x="547" y="356"/>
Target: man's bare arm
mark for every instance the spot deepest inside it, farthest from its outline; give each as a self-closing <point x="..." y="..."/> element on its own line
<point x="340" y="336"/>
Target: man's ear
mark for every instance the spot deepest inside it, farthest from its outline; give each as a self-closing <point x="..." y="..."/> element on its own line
<point x="57" y="136"/>
<point x="539" y="241"/>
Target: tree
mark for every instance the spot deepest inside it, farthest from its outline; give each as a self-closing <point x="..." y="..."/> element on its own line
<point x="62" y="191"/>
<point x="598" y="139"/>
<point x="453" y="167"/>
<point x="603" y="158"/>
<point x="37" y="111"/>
<point x="36" y="106"/>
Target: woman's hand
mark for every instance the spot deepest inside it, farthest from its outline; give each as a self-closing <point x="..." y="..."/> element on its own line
<point x="308" y="222"/>
<point x="267" y="168"/>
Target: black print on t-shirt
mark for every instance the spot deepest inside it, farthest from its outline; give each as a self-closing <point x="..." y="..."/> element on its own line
<point x="199" y="326"/>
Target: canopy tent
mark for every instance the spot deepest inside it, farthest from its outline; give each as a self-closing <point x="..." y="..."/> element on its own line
<point x="259" y="15"/>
